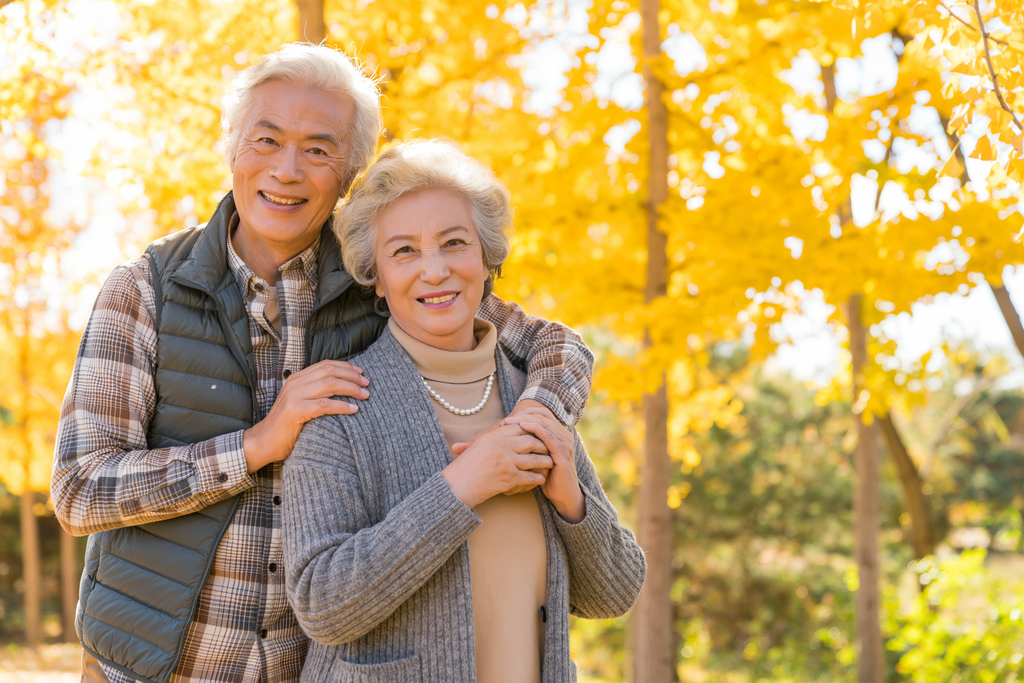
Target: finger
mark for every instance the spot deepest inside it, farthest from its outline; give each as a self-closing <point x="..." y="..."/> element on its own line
<point x="520" y="489"/>
<point x="528" y="444"/>
<point x="527" y="414"/>
<point x="533" y="461"/>
<point x="558" y="438"/>
<point x="328" y="386"/>
<point x="329" y="367"/>
<point x="327" y="406"/>
<point x="551" y="443"/>
<point x="460" y="448"/>
<point x="337" y="369"/>
<point x="531" y="479"/>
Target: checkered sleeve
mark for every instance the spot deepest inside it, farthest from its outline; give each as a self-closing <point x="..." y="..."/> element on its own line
<point x="104" y="476"/>
<point x="559" y="366"/>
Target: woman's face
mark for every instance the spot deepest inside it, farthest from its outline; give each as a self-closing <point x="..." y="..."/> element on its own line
<point x="430" y="267"/>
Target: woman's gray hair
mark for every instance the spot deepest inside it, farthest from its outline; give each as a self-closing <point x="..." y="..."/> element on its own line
<point x="314" y="66"/>
<point x="419" y="165"/>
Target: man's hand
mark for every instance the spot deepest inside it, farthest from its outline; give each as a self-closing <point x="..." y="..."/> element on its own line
<point x="562" y="487"/>
<point x="306" y="394"/>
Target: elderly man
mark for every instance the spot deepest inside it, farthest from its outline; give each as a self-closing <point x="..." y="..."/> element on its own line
<point x="201" y="362"/>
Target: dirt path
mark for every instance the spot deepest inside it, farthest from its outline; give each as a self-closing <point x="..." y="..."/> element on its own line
<point x="49" y="664"/>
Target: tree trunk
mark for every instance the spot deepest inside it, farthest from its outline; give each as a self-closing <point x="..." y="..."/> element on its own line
<point x="312" y="27"/>
<point x="865" y="513"/>
<point x="70" y="576"/>
<point x="652" y="628"/>
<point x="30" y="568"/>
<point x="1010" y="315"/>
<point x="923" y="537"/>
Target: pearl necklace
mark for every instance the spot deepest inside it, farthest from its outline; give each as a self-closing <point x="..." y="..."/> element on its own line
<point x="458" y="411"/>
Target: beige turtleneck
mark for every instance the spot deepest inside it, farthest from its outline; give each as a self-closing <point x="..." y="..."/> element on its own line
<point x="507" y="552"/>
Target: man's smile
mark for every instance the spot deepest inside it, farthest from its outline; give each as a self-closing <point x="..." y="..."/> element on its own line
<point x="283" y="201"/>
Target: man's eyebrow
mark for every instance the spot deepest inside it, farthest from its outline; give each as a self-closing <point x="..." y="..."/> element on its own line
<point x="324" y="137"/>
<point x="264" y="123"/>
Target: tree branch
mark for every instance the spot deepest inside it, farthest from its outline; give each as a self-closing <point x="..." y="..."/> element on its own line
<point x="1011" y="316"/>
<point x="914" y="498"/>
<point x="992" y="70"/>
<point x="965" y="22"/>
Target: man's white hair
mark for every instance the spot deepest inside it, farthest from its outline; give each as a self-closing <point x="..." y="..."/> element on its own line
<point x="314" y="66"/>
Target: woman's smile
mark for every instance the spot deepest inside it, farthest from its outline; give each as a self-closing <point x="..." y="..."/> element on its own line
<point x="438" y="300"/>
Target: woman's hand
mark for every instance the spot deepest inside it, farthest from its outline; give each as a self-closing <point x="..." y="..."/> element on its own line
<point x="498" y="460"/>
<point x="562" y="486"/>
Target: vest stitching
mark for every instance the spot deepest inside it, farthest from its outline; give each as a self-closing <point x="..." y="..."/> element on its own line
<point x="151" y="571"/>
<point x="163" y="538"/>
<point x="196" y="339"/>
<point x="197" y="374"/>
<point x="144" y="604"/>
<point x="204" y="412"/>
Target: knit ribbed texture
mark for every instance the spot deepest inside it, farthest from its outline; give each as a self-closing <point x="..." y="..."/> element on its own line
<point x="375" y="541"/>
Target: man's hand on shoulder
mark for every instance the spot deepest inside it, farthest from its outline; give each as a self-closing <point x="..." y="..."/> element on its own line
<point x="306" y="395"/>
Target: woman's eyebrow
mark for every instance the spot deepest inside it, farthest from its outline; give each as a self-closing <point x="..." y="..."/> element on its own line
<point x="454" y="228"/>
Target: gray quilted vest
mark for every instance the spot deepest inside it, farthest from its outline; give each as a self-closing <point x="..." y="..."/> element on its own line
<point x="141" y="584"/>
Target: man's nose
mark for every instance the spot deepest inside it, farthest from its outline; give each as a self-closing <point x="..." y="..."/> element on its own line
<point x="287" y="166"/>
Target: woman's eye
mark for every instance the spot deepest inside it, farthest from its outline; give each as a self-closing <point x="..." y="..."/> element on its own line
<point x="403" y="250"/>
<point x="455" y="242"/>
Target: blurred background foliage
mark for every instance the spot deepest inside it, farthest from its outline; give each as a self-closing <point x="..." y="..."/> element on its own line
<point x="858" y="156"/>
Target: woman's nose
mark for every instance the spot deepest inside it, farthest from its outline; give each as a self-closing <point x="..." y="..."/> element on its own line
<point x="435" y="267"/>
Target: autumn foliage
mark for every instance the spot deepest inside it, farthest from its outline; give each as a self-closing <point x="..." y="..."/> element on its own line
<point x="853" y="150"/>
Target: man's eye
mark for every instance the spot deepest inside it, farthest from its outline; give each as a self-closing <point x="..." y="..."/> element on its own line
<point x="318" y="151"/>
<point x="267" y="141"/>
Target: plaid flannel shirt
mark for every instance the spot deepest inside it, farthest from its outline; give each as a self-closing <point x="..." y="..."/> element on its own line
<point x="105" y="477"/>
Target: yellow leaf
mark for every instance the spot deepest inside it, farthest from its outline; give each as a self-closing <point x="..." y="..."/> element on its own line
<point x="983" y="150"/>
<point x="952" y="168"/>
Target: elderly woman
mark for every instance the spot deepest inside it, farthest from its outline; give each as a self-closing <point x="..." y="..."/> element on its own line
<point x="404" y="562"/>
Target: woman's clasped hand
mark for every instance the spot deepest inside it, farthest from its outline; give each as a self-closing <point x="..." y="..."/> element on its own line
<point x="508" y="459"/>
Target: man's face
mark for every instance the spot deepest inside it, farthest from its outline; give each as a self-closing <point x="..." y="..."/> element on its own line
<point x="289" y="170"/>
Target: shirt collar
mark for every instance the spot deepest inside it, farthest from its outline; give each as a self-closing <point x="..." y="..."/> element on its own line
<point x="306" y="262"/>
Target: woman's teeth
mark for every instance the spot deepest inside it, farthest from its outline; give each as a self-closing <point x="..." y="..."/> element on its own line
<point x="438" y="299"/>
<point x="280" y="200"/>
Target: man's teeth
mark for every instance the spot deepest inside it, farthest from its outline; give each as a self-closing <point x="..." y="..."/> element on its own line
<point x="438" y="299"/>
<point x="280" y="200"/>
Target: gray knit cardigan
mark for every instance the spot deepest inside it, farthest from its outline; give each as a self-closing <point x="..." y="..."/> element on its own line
<point x="375" y="541"/>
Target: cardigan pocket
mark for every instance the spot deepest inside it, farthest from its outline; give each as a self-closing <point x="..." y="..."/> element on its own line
<point x="407" y="670"/>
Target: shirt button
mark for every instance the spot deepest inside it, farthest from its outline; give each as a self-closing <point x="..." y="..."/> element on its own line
<point x="263" y="633"/>
<point x="222" y="477"/>
<point x="272" y="567"/>
<point x="287" y="374"/>
<point x="277" y="500"/>
<point x="258" y="287"/>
